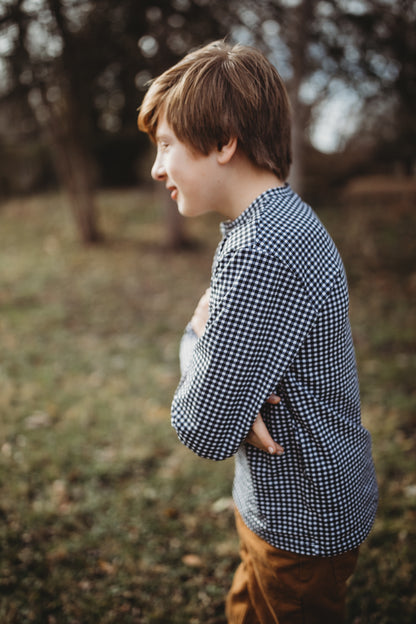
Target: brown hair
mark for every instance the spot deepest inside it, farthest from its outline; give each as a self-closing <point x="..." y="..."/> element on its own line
<point x="219" y="92"/>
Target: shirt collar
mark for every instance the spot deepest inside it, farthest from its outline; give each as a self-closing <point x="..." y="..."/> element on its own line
<point x="253" y="210"/>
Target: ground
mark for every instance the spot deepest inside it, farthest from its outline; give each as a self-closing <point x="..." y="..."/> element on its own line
<point x="105" y="516"/>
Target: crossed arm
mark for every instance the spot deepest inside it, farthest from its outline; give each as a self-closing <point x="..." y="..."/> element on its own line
<point x="259" y="435"/>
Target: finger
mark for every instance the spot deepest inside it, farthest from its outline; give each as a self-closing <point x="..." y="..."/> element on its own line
<point x="274" y="449"/>
<point x="266" y="441"/>
<point x="273" y="399"/>
<point x="263" y="435"/>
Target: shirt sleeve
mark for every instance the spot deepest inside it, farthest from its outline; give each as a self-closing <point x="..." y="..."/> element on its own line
<point x="259" y="317"/>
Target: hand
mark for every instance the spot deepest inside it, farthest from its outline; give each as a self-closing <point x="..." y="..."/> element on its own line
<point x="200" y="317"/>
<point x="259" y="435"/>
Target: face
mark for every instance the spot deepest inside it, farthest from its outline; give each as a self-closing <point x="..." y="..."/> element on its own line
<point x="194" y="180"/>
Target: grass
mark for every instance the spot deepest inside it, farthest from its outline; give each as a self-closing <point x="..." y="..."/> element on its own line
<point x="105" y="516"/>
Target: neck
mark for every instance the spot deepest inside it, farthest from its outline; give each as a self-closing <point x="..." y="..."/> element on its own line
<point x="244" y="182"/>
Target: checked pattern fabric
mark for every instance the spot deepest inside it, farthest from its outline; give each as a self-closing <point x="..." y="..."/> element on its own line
<point x="279" y="323"/>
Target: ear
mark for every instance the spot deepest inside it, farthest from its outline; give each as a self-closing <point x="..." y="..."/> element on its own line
<point x="226" y="152"/>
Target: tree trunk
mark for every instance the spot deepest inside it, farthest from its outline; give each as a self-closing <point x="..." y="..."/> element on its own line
<point x="301" y="18"/>
<point x="74" y="166"/>
<point x="76" y="174"/>
<point x="61" y="118"/>
<point x="68" y="129"/>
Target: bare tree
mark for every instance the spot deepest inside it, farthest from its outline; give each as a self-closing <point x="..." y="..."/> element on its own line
<point x="325" y="50"/>
<point x="83" y="67"/>
<point x="44" y="65"/>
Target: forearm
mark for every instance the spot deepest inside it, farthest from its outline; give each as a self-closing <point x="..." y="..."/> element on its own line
<point x="248" y="343"/>
<point x="218" y="401"/>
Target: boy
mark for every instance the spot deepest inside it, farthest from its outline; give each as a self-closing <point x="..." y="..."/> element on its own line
<point x="277" y="325"/>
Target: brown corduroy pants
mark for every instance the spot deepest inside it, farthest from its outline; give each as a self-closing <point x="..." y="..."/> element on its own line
<point x="273" y="586"/>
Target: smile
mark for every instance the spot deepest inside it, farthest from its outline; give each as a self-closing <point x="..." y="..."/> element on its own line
<point x="173" y="192"/>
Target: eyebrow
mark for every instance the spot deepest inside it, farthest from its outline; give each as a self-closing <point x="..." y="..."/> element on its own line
<point x="162" y="136"/>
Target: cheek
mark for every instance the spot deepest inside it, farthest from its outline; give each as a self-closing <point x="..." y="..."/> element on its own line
<point x="175" y="173"/>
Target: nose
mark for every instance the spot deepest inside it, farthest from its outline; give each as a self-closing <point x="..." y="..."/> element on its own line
<point x="158" y="170"/>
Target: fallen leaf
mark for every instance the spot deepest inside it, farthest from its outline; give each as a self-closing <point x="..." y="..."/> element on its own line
<point x="222" y="504"/>
<point x="193" y="561"/>
<point x="106" y="567"/>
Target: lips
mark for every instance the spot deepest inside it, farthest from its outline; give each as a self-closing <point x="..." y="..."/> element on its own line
<point x="173" y="192"/>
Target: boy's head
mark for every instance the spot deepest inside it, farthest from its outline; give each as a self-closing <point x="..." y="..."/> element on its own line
<point x="221" y="92"/>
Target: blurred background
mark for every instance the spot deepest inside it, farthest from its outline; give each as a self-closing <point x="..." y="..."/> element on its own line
<point x="72" y="75"/>
<point x="104" y="516"/>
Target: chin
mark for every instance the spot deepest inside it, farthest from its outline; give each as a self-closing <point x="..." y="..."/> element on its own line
<point x="185" y="211"/>
<point x="182" y="211"/>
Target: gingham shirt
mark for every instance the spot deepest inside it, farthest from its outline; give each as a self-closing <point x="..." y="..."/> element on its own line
<point x="279" y="323"/>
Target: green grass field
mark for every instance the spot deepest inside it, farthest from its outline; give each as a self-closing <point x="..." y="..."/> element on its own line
<point x="104" y="516"/>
